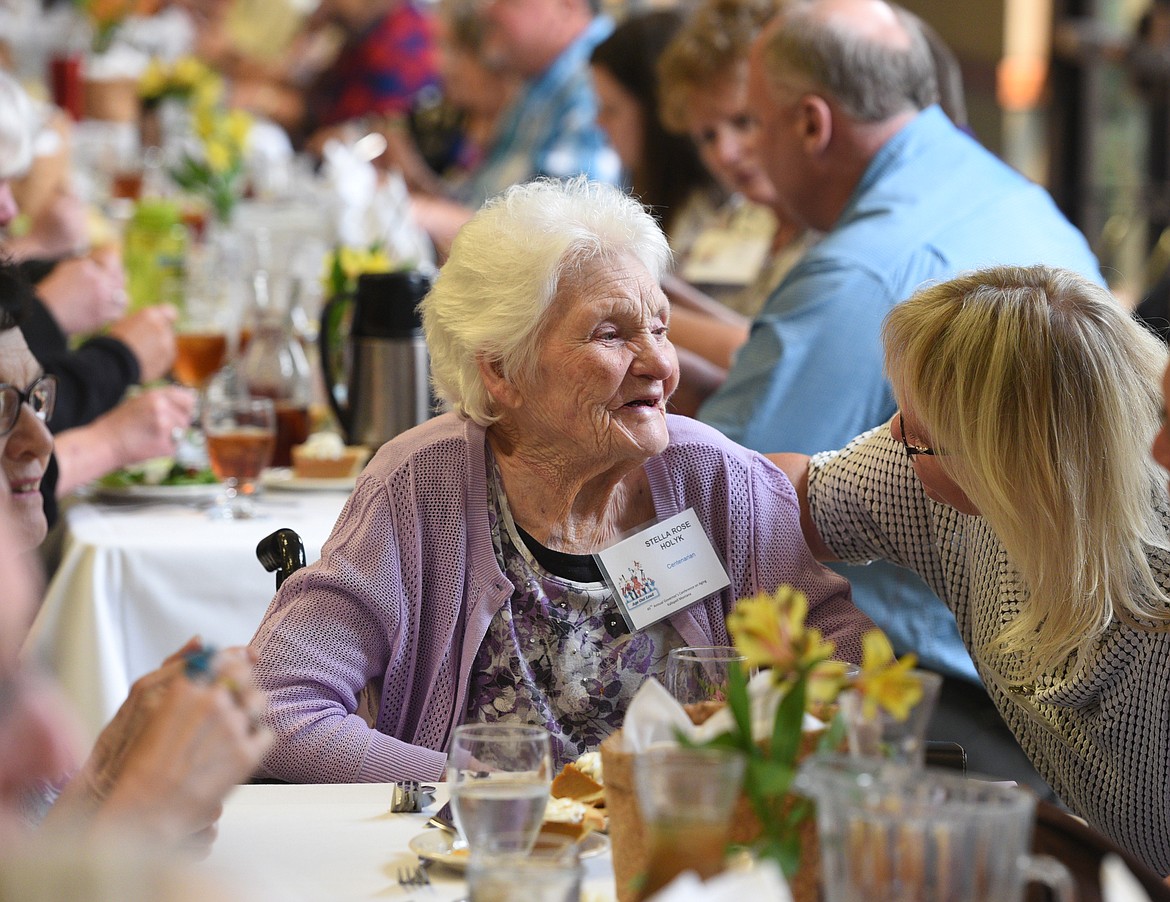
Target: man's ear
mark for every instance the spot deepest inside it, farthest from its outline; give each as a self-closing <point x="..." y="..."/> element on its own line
<point x="503" y="392"/>
<point x="814" y="122"/>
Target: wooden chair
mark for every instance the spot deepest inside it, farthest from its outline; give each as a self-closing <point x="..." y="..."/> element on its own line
<point x="1081" y="848"/>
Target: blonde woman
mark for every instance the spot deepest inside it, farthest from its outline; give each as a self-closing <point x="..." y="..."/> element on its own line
<point x="1016" y="480"/>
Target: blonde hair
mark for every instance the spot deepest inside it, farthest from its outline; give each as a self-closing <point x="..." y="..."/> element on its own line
<point x="495" y="294"/>
<point x="1043" y="395"/>
<point x="712" y="47"/>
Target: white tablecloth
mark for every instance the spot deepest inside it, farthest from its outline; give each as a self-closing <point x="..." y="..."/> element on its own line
<point x="134" y="583"/>
<point x="336" y="843"/>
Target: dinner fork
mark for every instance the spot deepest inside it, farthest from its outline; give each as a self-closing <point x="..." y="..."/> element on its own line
<point x="409" y="795"/>
<point x="406" y="796"/>
<point x="413" y="875"/>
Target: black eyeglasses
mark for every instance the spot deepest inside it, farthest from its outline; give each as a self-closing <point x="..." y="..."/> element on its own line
<point x="40" y="396"/>
<point x="911" y="449"/>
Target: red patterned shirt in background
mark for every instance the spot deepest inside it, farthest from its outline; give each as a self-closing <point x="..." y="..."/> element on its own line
<point x="379" y="71"/>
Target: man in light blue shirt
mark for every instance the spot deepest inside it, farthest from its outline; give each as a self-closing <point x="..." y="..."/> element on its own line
<point x="852" y="139"/>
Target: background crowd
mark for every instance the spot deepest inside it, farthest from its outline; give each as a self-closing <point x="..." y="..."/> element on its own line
<point x="786" y="178"/>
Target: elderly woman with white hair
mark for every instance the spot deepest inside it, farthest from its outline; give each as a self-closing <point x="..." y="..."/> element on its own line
<point x="459" y="584"/>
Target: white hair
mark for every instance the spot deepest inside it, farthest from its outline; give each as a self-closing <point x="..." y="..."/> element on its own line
<point x="494" y="296"/>
<point x="16" y="130"/>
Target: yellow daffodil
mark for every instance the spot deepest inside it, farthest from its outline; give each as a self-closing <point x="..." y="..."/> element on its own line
<point x="885" y="682"/>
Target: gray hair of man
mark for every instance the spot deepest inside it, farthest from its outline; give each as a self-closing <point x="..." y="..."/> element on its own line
<point x="496" y="295"/>
<point x="872" y="80"/>
<point x="16" y="116"/>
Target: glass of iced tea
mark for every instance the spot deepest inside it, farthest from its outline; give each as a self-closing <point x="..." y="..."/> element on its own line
<point x="203" y="332"/>
<point x="687" y="797"/>
<point x="241" y="434"/>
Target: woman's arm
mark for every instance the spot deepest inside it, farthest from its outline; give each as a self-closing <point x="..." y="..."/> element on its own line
<point x="795" y="466"/>
<point x="337" y="627"/>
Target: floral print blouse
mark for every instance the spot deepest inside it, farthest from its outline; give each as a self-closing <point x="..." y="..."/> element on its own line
<point x="558" y="653"/>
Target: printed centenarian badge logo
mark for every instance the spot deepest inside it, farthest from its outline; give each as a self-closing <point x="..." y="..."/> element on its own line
<point x="662" y="569"/>
<point x="637" y="587"/>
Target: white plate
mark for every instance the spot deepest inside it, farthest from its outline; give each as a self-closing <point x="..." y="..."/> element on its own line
<point x="163" y="494"/>
<point x="282" y="479"/>
<point x="435" y="846"/>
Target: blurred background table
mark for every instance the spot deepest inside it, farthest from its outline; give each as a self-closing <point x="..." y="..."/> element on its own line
<point x="135" y="581"/>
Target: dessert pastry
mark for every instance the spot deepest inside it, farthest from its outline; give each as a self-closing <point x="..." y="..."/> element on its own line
<point x="568" y="817"/>
<point x="326" y="456"/>
<point x="581" y="780"/>
<point x="576" y="808"/>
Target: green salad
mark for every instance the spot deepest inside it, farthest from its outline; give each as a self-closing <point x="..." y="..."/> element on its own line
<point x="177" y="474"/>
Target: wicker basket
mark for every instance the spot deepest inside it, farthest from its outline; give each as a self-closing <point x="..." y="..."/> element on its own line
<point x="627" y="830"/>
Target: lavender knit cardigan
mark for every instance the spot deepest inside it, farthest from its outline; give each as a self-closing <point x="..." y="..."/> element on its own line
<point x="384" y="629"/>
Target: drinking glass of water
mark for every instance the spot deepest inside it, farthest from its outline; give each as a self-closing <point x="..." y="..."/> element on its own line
<point x="499" y="776"/>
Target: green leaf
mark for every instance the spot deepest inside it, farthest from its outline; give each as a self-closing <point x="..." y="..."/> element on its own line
<point x="788" y="727"/>
<point x="772" y="778"/>
<point x="789" y="854"/>
<point x="834" y="735"/>
<point x="737" y="700"/>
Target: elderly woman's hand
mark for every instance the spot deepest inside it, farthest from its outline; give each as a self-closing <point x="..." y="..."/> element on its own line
<point x="203" y="739"/>
<point x="175" y="749"/>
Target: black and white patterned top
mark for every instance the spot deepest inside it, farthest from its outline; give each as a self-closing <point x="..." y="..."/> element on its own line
<point x="1098" y="730"/>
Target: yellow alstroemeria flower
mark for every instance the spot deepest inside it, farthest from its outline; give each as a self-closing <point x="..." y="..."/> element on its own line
<point x="207" y="92"/>
<point x="188" y="72"/>
<point x="885" y="682"/>
<point x="206" y="121"/>
<point x="238" y="126"/>
<point x="154" y="80"/>
<point x="218" y="155"/>
<point x="769" y="630"/>
<point x="825" y="682"/>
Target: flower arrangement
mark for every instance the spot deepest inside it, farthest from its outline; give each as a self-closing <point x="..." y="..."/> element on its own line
<point x="345" y="264"/>
<point x="770" y="631"/>
<point x="105" y="16"/>
<point x="186" y="79"/>
<point x="212" y="164"/>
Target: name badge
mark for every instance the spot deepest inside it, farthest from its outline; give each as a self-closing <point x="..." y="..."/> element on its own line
<point x="663" y="569"/>
<point x="724" y="256"/>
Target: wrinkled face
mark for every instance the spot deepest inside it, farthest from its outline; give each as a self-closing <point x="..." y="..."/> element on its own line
<point x="727" y="137"/>
<point x="605" y="372"/>
<point x="620" y="116"/>
<point x="1161" y="449"/>
<point x="24" y="452"/>
<point x="937" y="484"/>
<point x="516" y="33"/>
